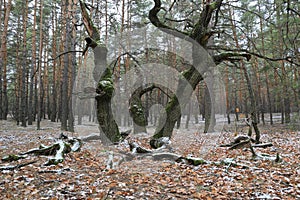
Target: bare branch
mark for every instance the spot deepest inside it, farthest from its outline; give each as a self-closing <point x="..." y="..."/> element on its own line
<point x="288" y="58"/>
<point x="156" y="22"/>
<point x="63" y="53"/>
<point x="151" y="86"/>
<point x="230" y="56"/>
<point x="172" y="5"/>
<point x="294" y="11"/>
<point x="252" y="12"/>
<point x="178" y="20"/>
<point x="88" y="23"/>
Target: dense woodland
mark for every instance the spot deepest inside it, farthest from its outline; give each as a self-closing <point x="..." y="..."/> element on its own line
<point x="42" y="44"/>
<point x="42" y="53"/>
<point x="172" y="84"/>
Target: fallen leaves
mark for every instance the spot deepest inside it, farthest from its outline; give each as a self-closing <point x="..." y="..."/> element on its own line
<point x="84" y="174"/>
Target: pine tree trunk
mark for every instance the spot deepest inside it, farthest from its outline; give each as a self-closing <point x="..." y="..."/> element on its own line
<point x="210" y="119"/>
<point x="54" y="82"/>
<point x="24" y="69"/>
<point x="253" y="104"/>
<point x="188" y="117"/>
<point x="18" y="83"/>
<point x="38" y="80"/>
<point x="3" y="63"/>
<point x="72" y="65"/>
<point x="32" y="69"/>
<point x="65" y="83"/>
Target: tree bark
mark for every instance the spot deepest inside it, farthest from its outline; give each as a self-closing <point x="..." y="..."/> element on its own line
<point x="107" y="124"/>
<point x="173" y="108"/>
<point x="24" y="69"/>
<point x="3" y="63"/>
<point x="55" y="78"/>
<point x="31" y="110"/>
<point x="137" y="112"/>
<point x="200" y="34"/>
<point x="66" y="62"/>
<point x="253" y="106"/>
<point x="210" y="120"/>
<point x="72" y="67"/>
<point x="109" y="130"/>
<point x="39" y="94"/>
<point x="249" y="87"/>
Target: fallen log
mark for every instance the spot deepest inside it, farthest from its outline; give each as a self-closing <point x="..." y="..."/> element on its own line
<point x="18" y="166"/>
<point x="200" y="161"/>
<point x="262" y="145"/>
<point x="135" y="148"/>
<point x="58" y="171"/>
<point x="95" y="136"/>
<point x="166" y="156"/>
<point x="157" y="143"/>
<point x="157" y="156"/>
<point x="56" y="152"/>
<point x="276" y="158"/>
<point x="193" y="161"/>
<point x="230" y="162"/>
<point x="240" y="145"/>
<point x="12" y="157"/>
<point x="59" y="155"/>
<point x="238" y="139"/>
<point x="44" y="150"/>
<point x="91" y="137"/>
<point x="243" y="141"/>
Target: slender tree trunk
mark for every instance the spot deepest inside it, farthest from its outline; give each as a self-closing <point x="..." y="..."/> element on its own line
<point x="227" y="95"/>
<point x="297" y="89"/>
<point x="24" y="68"/>
<point x="188" y="117"/>
<point x="3" y="63"/>
<point x="1" y="13"/>
<point x="106" y="22"/>
<point x="46" y="85"/>
<point x="72" y="66"/>
<point x="270" y="106"/>
<point x="253" y="104"/>
<point x="55" y="78"/>
<point x="65" y="70"/>
<point x="39" y="94"/>
<point x="235" y="97"/>
<point x="264" y="64"/>
<point x="259" y="98"/>
<point x="18" y="80"/>
<point x="65" y="83"/>
<point x="286" y="104"/>
<point x="285" y="95"/>
<point x="32" y="69"/>
<point x="210" y="120"/>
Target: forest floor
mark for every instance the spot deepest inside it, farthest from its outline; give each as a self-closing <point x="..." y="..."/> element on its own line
<point x="84" y="174"/>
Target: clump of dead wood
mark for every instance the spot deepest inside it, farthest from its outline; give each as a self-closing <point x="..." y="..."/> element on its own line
<point x="55" y="152"/>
